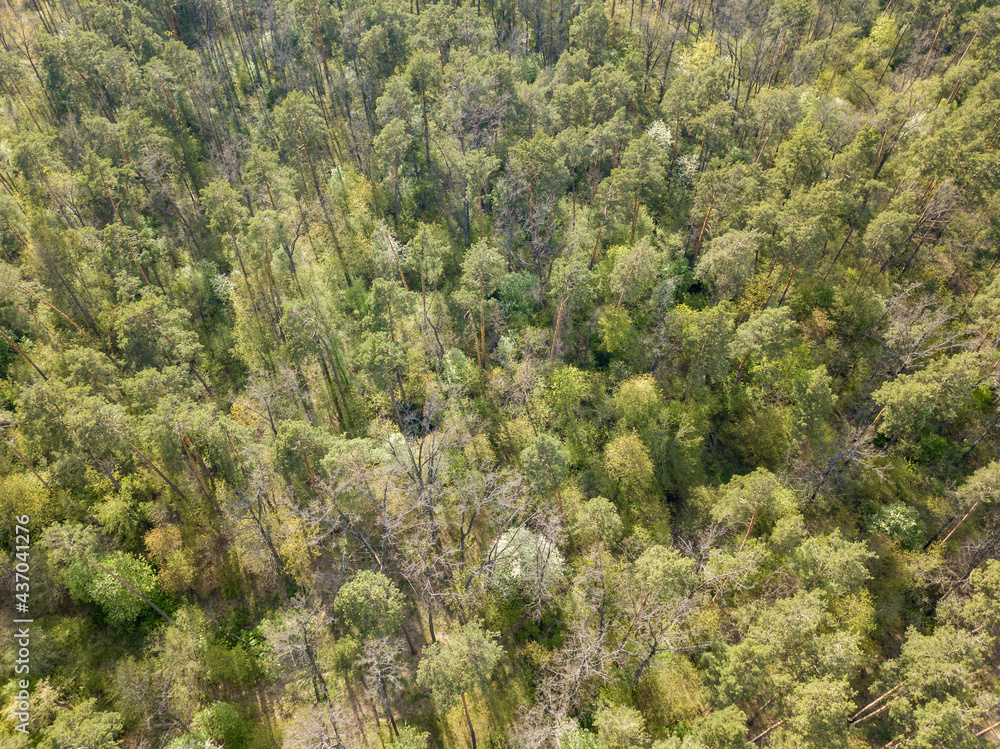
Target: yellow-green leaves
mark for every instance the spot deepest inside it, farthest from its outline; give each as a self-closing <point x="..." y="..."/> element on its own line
<point x="453" y="667"/>
<point x="913" y="400"/>
<point x="630" y="466"/>
<point x="369" y="605"/>
<point x="756" y="499"/>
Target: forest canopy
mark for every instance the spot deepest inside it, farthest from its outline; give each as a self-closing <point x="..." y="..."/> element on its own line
<point x="570" y="374"/>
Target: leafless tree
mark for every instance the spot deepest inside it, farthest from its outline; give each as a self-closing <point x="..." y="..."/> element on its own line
<point x="314" y="729"/>
<point x="854" y="450"/>
<point x="295" y="636"/>
<point x="481" y="507"/>
<point x="583" y="663"/>
<point x="384" y="672"/>
<point x="918" y="330"/>
<point x="701" y="546"/>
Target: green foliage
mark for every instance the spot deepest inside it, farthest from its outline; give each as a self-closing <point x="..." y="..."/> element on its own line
<point x="635" y="272"/>
<point x="704" y="338"/>
<point x="616" y="331"/>
<point x="458" y="368"/>
<point x="518" y="292"/>
<point x="67" y="544"/>
<point x="530" y="566"/>
<point x="982" y="486"/>
<point x="544" y="462"/>
<point x="637" y="403"/>
<point x="915" y="401"/>
<point x="121" y="605"/>
<point x="619" y="727"/>
<point x="979" y="609"/>
<point x="758" y="497"/>
<point x="125" y="512"/>
<point x="467" y="660"/>
<point x="579" y="738"/>
<point x="222" y="723"/>
<point x="612" y="325"/>
<point x="728" y="262"/>
<point x="832" y="564"/>
<point x="369" y="605"/>
<point x="344" y="654"/>
<point x="299" y="449"/>
<point x="934" y="672"/>
<point x="629" y="465"/>
<point x="88" y="583"/>
<point x="663" y="572"/>
<point x="410" y="738"/>
<point x="820" y="717"/>
<point x="724" y="729"/>
<point x="426" y="255"/>
<point x="85" y="725"/>
<point x="24" y="494"/>
<point x="597" y="520"/>
<point x="568" y="393"/>
<point x="812" y="403"/>
<point x="899" y="521"/>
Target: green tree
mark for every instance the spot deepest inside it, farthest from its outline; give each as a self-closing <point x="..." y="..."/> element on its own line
<point x="932" y="684"/>
<point x="729" y="261"/>
<point x="123" y="587"/>
<point x="369" y="605"/>
<point x="766" y="334"/>
<point x="755" y="499"/>
<point x="725" y="729"/>
<point x="545" y="462"/>
<point x="832" y="563"/>
<point x="818" y="715"/>
<point x="483" y="270"/>
<point x="84" y="725"/>
<point x="391" y="146"/>
<point x="597" y="520"/>
<point x="638" y="403"/>
<point x="410" y="738"/>
<point x="166" y="688"/>
<point x="703" y="337"/>
<point x="299" y="450"/>
<point x="911" y="400"/>
<point x="426" y="255"/>
<point x="620" y="727"/>
<point x="802" y="156"/>
<point x="589" y="32"/>
<point x="120" y="604"/>
<point x="221" y="722"/>
<point x="450" y="669"/>
<point x="789" y="645"/>
<point x="629" y="466"/>
<point x="572" y="289"/>
<point x="659" y="602"/>
<point x="982" y="487"/>
<point x="812" y="403"/>
<point x="635" y="273"/>
<point x="526" y="201"/>
<point x="424" y="71"/>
